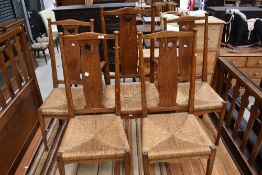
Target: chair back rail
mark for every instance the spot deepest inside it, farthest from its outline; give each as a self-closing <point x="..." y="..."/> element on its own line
<point x="69" y="27"/>
<point x="87" y="44"/>
<point x="187" y="23"/>
<point x="244" y="115"/>
<point x="18" y="83"/>
<point x="128" y="36"/>
<point x="169" y="69"/>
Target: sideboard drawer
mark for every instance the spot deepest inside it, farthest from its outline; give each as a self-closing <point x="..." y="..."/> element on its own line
<point x="254" y="62"/>
<point x="237" y="61"/>
<point x="252" y="72"/>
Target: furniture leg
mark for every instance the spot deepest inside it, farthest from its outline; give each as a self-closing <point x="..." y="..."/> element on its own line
<point x="56" y="46"/>
<point x="127" y="161"/>
<point x="116" y="166"/>
<point x="211" y="160"/>
<point x="45" y="57"/>
<point x="38" y="54"/>
<point x="220" y="124"/>
<point x="145" y="164"/>
<point x="43" y="131"/>
<point x="60" y="165"/>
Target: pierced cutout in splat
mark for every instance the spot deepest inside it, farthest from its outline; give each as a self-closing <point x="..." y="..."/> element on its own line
<point x="128" y="45"/>
<point x="70" y="30"/>
<point x="91" y="73"/>
<point x="168" y="69"/>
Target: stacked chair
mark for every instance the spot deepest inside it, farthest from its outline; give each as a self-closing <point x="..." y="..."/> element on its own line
<point x="170" y="131"/>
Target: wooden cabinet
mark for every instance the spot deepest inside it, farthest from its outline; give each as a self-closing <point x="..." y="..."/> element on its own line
<point x="250" y="64"/>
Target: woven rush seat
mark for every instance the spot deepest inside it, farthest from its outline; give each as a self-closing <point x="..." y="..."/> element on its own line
<point x="205" y="96"/>
<point x="131" y="96"/>
<point x="174" y="135"/>
<point x="56" y="103"/>
<point x="93" y="137"/>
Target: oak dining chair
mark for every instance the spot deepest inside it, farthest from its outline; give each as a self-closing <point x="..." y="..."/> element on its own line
<point x="206" y="99"/>
<point x="174" y="133"/>
<point x="91" y="138"/>
<point x="55" y="105"/>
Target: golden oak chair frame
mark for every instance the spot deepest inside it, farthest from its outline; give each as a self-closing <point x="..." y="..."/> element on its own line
<point x="187" y="23"/>
<point x="70" y="27"/>
<point x="90" y="61"/>
<point x="169" y="76"/>
<point x="128" y="37"/>
<point x="73" y="26"/>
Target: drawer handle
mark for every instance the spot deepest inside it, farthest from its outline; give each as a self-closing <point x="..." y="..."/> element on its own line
<point x="259" y="62"/>
<point x="255" y="74"/>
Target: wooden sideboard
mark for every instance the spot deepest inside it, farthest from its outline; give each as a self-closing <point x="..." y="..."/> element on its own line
<point x="249" y="63"/>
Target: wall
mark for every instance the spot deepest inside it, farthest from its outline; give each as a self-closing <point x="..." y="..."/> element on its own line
<point x="49" y="3"/>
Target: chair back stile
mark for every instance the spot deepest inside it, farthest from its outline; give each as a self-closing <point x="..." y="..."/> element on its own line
<point x="69" y="26"/>
<point x="187" y="23"/>
<point x="128" y="37"/>
<point x="169" y="69"/>
<point x="89" y="73"/>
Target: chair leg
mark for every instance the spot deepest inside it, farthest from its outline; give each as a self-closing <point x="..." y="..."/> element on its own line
<point x="56" y="46"/>
<point x="220" y="124"/>
<point x="145" y="164"/>
<point x="127" y="161"/>
<point x="43" y="131"/>
<point x="211" y="160"/>
<point x="45" y="57"/>
<point x="60" y="165"/>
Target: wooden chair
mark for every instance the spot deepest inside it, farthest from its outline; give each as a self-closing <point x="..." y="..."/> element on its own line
<point x="206" y="99"/>
<point x="91" y="138"/>
<point x="70" y="27"/>
<point x="172" y="137"/>
<point x="55" y="106"/>
<point x="40" y="47"/>
<point x="128" y="37"/>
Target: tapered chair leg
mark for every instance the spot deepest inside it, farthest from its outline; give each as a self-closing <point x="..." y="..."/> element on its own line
<point x="56" y="43"/>
<point x="220" y="124"/>
<point x="127" y="161"/>
<point x="145" y="164"/>
<point x="60" y="165"/>
<point x="211" y="160"/>
<point x="42" y="127"/>
<point x="45" y="57"/>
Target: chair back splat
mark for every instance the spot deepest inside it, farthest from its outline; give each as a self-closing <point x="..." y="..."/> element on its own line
<point x="172" y="47"/>
<point x="88" y="72"/>
<point x="187" y="23"/>
<point x="128" y="37"/>
<point x="69" y="27"/>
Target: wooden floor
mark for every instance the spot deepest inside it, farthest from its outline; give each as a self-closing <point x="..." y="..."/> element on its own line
<point x="224" y="165"/>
